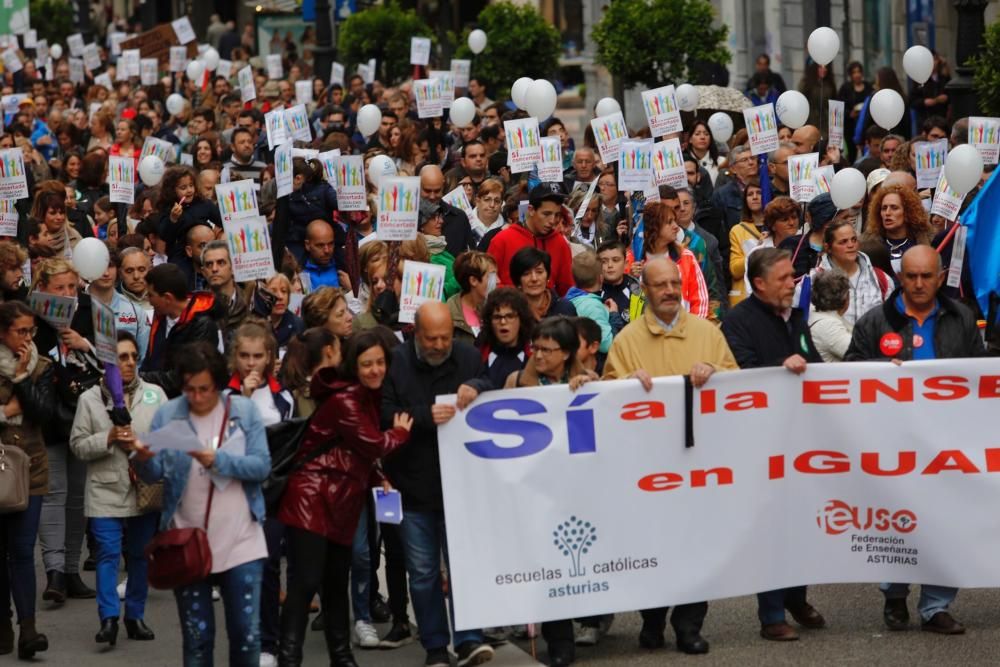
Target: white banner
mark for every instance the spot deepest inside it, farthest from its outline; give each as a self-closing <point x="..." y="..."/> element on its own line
<point x="853" y="472"/>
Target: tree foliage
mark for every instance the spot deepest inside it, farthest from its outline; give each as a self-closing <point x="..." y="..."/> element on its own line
<point x="654" y="42"/>
<point x="987" y="71"/>
<point x="519" y="42"/>
<point x="382" y="32"/>
<point x="53" y="19"/>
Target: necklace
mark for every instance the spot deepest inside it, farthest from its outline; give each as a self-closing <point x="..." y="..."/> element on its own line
<point x="896" y="249"/>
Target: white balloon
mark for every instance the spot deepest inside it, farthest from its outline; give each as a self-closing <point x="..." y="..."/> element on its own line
<point x="823" y="45"/>
<point x="151" y="170"/>
<point x="380" y="167"/>
<point x="918" y="61"/>
<point x="607" y="106"/>
<point x="55" y="51"/>
<point x="540" y="99"/>
<point x="847" y="188"/>
<point x="963" y="168"/>
<point x="887" y="108"/>
<point x="721" y="126"/>
<point x="792" y="108"/>
<point x="477" y="41"/>
<point x="369" y="118"/>
<point x="462" y="112"/>
<point x="91" y="258"/>
<point x="175" y="103"/>
<point x="687" y="97"/>
<point x="519" y="90"/>
<point x="211" y="58"/>
<point x="195" y="69"/>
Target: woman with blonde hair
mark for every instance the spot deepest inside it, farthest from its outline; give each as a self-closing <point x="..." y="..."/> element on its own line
<point x="327" y="307"/>
<point x="897" y="219"/>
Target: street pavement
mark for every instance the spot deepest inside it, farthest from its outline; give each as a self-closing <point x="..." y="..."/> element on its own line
<point x="855" y="636"/>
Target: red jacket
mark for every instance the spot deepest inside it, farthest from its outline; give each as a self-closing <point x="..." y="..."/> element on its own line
<point x="326" y="495"/>
<point x="514" y="237"/>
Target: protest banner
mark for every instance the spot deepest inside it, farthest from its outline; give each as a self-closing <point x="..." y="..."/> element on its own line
<point x="429" y="96"/>
<point x="249" y="248"/>
<point x="898" y="472"/>
<point x="662" y="113"/>
<point x="801" y="176"/>
<point x="156" y="43"/>
<point x="609" y="132"/>
<point x="8" y="218"/>
<point x="550" y="167"/>
<point x="237" y="200"/>
<point x="835" y="120"/>
<point x="668" y="164"/>
<point x="58" y="311"/>
<point x="762" y="128"/>
<point x="984" y="134"/>
<point x="523" y="146"/>
<point x="348" y="179"/>
<point x="105" y="334"/>
<point x="399" y="199"/>
<point x="283" y="169"/>
<point x="121" y="179"/>
<point x="930" y="157"/>
<point x="421" y="283"/>
<point x="635" y="164"/>
<point x="13" y="182"/>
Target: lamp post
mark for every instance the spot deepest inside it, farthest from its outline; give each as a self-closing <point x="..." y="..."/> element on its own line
<point x="968" y="39"/>
<point x="323" y="52"/>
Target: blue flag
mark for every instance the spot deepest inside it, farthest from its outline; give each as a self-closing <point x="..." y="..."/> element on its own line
<point x="638" y="228"/>
<point x="765" y="180"/>
<point x="982" y="243"/>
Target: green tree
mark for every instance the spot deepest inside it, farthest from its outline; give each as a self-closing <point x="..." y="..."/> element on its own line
<point x="653" y="42"/>
<point x="53" y="19"/>
<point x="519" y="42"/>
<point x="382" y="32"/>
<point x="986" y="75"/>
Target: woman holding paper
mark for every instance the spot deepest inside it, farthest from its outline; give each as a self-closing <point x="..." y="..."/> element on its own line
<point x="326" y="494"/>
<point x="216" y="484"/>
<point x="112" y="502"/>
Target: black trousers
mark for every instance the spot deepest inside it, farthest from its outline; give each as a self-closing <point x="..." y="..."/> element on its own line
<point x="686" y="620"/>
<point x="395" y="572"/>
<point x="559" y="636"/>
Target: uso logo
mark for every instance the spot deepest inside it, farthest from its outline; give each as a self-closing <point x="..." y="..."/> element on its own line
<point x="838" y="517"/>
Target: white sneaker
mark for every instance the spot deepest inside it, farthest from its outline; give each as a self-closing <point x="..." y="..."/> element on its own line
<point x="587" y="636"/>
<point x="121" y="588"/>
<point x="216" y="596"/>
<point x="367" y="635"/>
<point x="268" y="660"/>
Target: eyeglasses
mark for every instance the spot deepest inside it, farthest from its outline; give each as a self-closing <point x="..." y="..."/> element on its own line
<point x="25" y="332"/>
<point x="546" y="350"/>
<point x="503" y="317"/>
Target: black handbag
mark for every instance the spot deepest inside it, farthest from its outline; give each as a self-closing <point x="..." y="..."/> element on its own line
<point x="283" y="441"/>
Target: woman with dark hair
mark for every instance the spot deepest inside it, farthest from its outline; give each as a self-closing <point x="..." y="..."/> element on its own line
<point x="504" y="339"/>
<point x="897" y="219"/>
<point x="819" y="88"/>
<point x="885" y="77"/>
<point x="831" y="297"/>
<point x="744" y="237"/>
<point x="308" y="352"/>
<point x="205" y="152"/>
<point x="71" y="164"/>
<point x="127" y="142"/>
<point x="701" y="145"/>
<point x="853" y="93"/>
<point x="217" y="486"/>
<point x="529" y="272"/>
<point x="325" y="496"/>
<point x="92" y="182"/>
<point x="869" y="285"/>
<point x="182" y="207"/>
<point x="49" y="209"/>
<point x="312" y="198"/>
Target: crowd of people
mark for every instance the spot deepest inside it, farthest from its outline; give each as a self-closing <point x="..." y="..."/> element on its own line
<point x="569" y="289"/>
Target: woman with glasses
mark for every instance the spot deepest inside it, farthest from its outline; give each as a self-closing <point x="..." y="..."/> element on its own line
<point x="504" y="339"/>
<point x="111" y="500"/>
<point x="486" y="215"/>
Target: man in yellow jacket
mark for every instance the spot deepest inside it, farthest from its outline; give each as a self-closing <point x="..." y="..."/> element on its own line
<point x="667" y="340"/>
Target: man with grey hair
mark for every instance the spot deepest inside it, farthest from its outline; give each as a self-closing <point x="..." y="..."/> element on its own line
<point x="217" y="267"/>
<point x="777" y="164"/>
<point x="428" y="365"/>
<point x="728" y="197"/>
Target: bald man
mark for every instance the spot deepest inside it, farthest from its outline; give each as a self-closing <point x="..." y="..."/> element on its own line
<point x="457" y="230"/>
<point x="904" y="179"/>
<point x="320" y="266"/>
<point x="805" y="139"/>
<point x="428" y="365"/>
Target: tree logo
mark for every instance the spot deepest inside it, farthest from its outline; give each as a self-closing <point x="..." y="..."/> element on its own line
<point x="574" y="538"/>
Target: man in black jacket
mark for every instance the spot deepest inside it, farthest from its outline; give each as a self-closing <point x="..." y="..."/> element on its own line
<point x="429" y="365"/>
<point x="918" y="322"/>
<point x="764" y="330"/>
<point x="456" y="228"/>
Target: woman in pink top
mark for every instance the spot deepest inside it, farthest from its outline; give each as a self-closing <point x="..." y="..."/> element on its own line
<point x="476" y="273"/>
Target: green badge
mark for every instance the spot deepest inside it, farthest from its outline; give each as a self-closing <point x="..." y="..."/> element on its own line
<point x="804" y="344"/>
<point x="149" y="397"/>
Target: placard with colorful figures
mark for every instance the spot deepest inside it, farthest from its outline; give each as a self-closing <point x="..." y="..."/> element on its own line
<point x="835" y="123"/>
<point x="250" y="248"/>
<point x="662" y="112"/>
<point x="13" y="182"/>
<point x="347" y="176"/>
<point x="668" y="164"/>
<point x="8" y="218"/>
<point x="105" y="335"/>
<point x="930" y="157"/>
<point x="801" y="181"/>
<point x="984" y="134"/>
<point x="161" y="148"/>
<point x="430" y="97"/>
<point x="274" y="125"/>
<point x="121" y="179"/>
<point x="447" y="79"/>
<point x="824" y="178"/>
<point x="524" y="147"/>
<point x="635" y="164"/>
<point x="237" y="200"/>
<point x="283" y="169"/>
<point x="550" y="167"/>
<point x="762" y="128"/>
<point x="58" y="311"/>
<point x="421" y="283"/>
<point x="297" y="122"/>
<point x="609" y="132"/>
<point x="398" y="205"/>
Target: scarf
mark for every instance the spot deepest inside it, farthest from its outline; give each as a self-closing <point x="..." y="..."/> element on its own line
<point x="62" y="245"/>
<point x="128" y="389"/>
<point x="540" y="309"/>
<point x="8" y="370"/>
<point x="435" y="244"/>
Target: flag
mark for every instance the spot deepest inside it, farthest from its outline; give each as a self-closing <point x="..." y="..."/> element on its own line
<point x="765" y="180"/>
<point x="982" y="243"/>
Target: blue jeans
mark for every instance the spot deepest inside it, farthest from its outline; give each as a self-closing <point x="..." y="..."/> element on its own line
<point x="933" y="599"/>
<point x="18" y="532"/>
<point x="424" y="541"/>
<point x="771" y="605"/>
<point x="270" y="595"/>
<point x="107" y="534"/>
<point x="361" y="570"/>
<point x="240" y="590"/>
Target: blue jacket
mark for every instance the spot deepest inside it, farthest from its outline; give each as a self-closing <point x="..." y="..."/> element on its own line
<point x="173" y="467"/>
<point x="588" y="304"/>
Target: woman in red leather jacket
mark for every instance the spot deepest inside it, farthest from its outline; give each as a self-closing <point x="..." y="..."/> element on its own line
<point x="324" y="497"/>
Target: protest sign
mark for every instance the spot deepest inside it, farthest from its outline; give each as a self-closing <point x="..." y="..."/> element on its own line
<point x="429" y="96"/>
<point x="326" y="159"/>
<point x="337" y="74"/>
<point x="121" y="179"/>
<point x="835" y="122"/>
<point x="348" y="172"/>
<point x="283" y="169"/>
<point x="237" y="200"/>
<point x="8" y="218"/>
<point x="12" y="62"/>
<point x="304" y="92"/>
<point x="105" y="334"/>
<point x="762" y="128"/>
<point x="149" y="71"/>
<point x="130" y="62"/>
<point x="420" y="50"/>
<point x="460" y="200"/>
<point x="115" y="40"/>
<point x="635" y="164"/>
<point x="447" y="84"/>
<point x="156" y="43"/>
<point x="947" y="203"/>
<point x="248" y="90"/>
<point x="297" y="122"/>
<point x="662" y="113"/>
<point x="91" y="57"/>
<point x="461" y="68"/>
<point x="224" y="68"/>
<point x="178" y="58"/>
<point x="249" y="247"/>
<point x="183" y="30"/>
<point x="274" y="125"/>
<point x="550" y="167"/>
<point x="586" y="200"/>
<point x="421" y="283"/>
<point x="13" y="182"/>
<point x="930" y="157"/>
<point x="984" y="134"/>
<point x="894" y="456"/>
<point x="161" y="148"/>
<point x="275" y="71"/>
<point x="399" y="199"/>
<point x="523" y="146"/>
<point x="801" y="176"/>
<point x="609" y="132"/>
<point x="75" y="44"/>
<point x="31" y="39"/>
<point x="58" y="311"/>
<point x="668" y="164"/>
<point x="823" y="177"/>
<point x="76" y="70"/>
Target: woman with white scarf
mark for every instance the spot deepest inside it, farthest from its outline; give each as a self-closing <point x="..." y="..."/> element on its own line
<point x="869" y="285"/>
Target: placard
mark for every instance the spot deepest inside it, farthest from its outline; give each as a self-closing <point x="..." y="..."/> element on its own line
<point x="586" y="200"/>
<point x="274" y="125"/>
<point x="460" y="200"/>
<point x="58" y="311"/>
<point x="957" y="257"/>
<point x="105" y="332"/>
<point x="609" y="132"/>
<point x="12" y="62"/>
<point x="421" y="283"/>
<point x="635" y="164"/>
<point x="363" y="72"/>
<point x="161" y="148"/>
<point x="237" y="200"/>
<point x="103" y="79"/>
<point x="8" y="218"/>
<point x="399" y="201"/>
<point x="984" y="134"/>
<point x="76" y="70"/>
<point x="662" y="113"/>
<point x="372" y="69"/>
<point x="801" y="176"/>
<point x="420" y="50"/>
<point x="824" y="178"/>
<point x="304" y="91"/>
<point x="326" y="159"/>
<point x="947" y="202"/>
<point x="348" y="179"/>
<point x="275" y="70"/>
<point x="930" y="157"/>
<point x="447" y="80"/>
<point x="550" y="167"/>
<point x="297" y="122"/>
<point x="183" y="30"/>
<point x="762" y="128"/>
<point x="225" y="69"/>
<point x="248" y="91"/>
<point x="337" y="74"/>
<point x="121" y="179"/>
<point x="178" y="58"/>
<point x="283" y="169"/>
<point x="11" y="103"/>
<point x="149" y="71"/>
<point x="428" y="94"/>
<point x="30" y="39"/>
<point x="91" y="57"/>
<point x="461" y="69"/>
<point x="249" y="248"/>
<point x="156" y="43"/>
<point x="524" y="147"/>
<point x="130" y="62"/>
<point x="668" y="164"/>
<point x="13" y="183"/>
<point x="42" y="52"/>
<point x="115" y="40"/>
<point x="75" y="44"/>
<point x="835" y="124"/>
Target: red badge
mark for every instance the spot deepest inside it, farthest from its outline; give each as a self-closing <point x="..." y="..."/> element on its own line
<point x="891" y="344"/>
<point x="918" y="340"/>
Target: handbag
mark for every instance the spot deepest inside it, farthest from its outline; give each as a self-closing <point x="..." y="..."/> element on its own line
<point x="283" y="441"/>
<point x="15" y="472"/>
<point x="148" y="497"/>
<point x="182" y="556"/>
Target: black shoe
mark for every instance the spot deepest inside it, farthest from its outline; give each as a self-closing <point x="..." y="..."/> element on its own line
<point x="90" y="564"/>
<point x="651" y="638"/>
<point x="562" y="654"/>
<point x="31" y="641"/>
<point x="108" y="634"/>
<point x="438" y="657"/>
<point x="77" y="590"/>
<point x="895" y="614"/>
<point x="399" y="635"/>
<point x="138" y="630"/>
<point x="380" y="611"/>
<point x="473" y="653"/>
<point x="693" y="644"/>
<point x="55" y="589"/>
<point x="318" y="623"/>
<point x="6" y="636"/>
